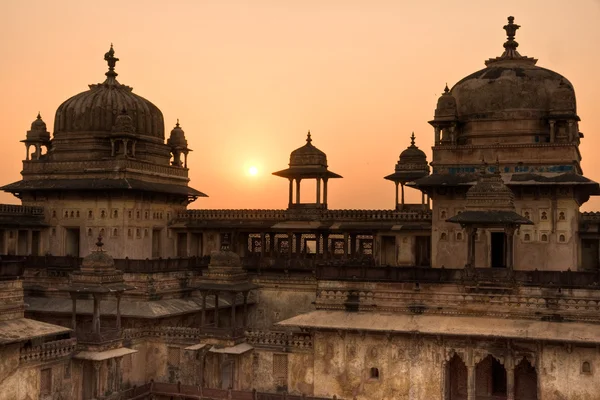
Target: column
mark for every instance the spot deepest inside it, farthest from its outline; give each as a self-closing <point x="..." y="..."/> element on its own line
<point x="471" y="246"/>
<point x="396" y="204"/>
<point x="112" y="147"/>
<point x="125" y="144"/>
<point x="326" y="245"/>
<point x="510" y="232"/>
<point x="96" y="316"/>
<point x="203" y="317"/>
<point x="510" y="378"/>
<point x="245" y="319"/>
<point x="97" y="365"/>
<point x="118" y="311"/>
<point x="437" y="135"/>
<point x="325" y="192"/>
<point x="298" y="190"/>
<point x="471" y="382"/>
<point x="118" y="374"/>
<point x="298" y="244"/>
<point x="353" y="245"/>
<point x="290" y="244"/>
<point x="233" y="295"/>
<point x="571" y="133"/>
<point x="402" y="187"/>
<point x="552" y="131"/>
<point x="216" y="310"/>
<point x="74" y="314"/>
<point x="29" y="241"/>
<point x="291" y="199"/>
<point x="133" y="142"/>
<point x="345" y="244"/>
<point x="271" y="244"/>
<point x="318" y="190"/>
<point x="262" y="245"/>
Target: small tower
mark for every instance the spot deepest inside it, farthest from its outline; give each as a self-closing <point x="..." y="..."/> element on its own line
<point x="38" y="136"/>
<point x="178" y="144"/>
<point x="412" y="165"/>
<point x="307" y="162"/>
<point x="445" y="119"/>
<point x="122" y="137"/>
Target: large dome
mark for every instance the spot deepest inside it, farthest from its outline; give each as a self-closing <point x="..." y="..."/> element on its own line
<point x="511" y="89"/>
<point x="96" y="109"/>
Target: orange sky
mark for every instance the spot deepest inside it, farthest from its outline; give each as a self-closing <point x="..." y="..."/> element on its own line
<point x="247" y="79"/>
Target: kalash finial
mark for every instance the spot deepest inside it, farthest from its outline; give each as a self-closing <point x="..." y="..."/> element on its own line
<point x="110" y="58"/>
<point x="177" y="124"/>
<point x="308" y="138"/>
<point x="511" y="30"/>
<point x="39" y="116"/>
<point x="412" y="140"/>
<point x="446" y="90"/>
<point x="99" y="243"/>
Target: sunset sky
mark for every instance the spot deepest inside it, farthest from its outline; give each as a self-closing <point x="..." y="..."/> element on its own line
<point x="248" y="79"/>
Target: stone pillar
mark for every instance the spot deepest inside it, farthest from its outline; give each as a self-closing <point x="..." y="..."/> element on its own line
<point x="112" y="147"/>
<point x="133" y="142"/>
<point x="271" y="244"/>
<point x="552" y="131"/>
<point x="325" y="192"/>
<point x="318" y="190"/>
<point x="74" y="314"/>
<point x="245" y="319"/>
<point x="471" y="388"/>
<point x="510" y="232"/>
<point x="118" y="374"/>
<point x="345" y="244"/>
<point x="97" y="365"/>
<point x="298" y="190"/>
<point x="353" y="245"/>
<point x="96" y="316"/>
<point x="203" y="317"/>
<point x="125" y="143"/>
<point x="325" y="245"/>
<point x="290" y="244"/>
<point x="118" y="310"/>
<point x="402" y="188"/>
<point x="29" y="241"/>
<point x="396" y="204"/>
<point x="262" y="245"/>
<point x="216" y="310"/>
<point x="510" y="378"/>
<point x="437" y="131"/>
<point x="471" y="232"/>
<point x="233" y="295"/>
<point x="291" y="199"/>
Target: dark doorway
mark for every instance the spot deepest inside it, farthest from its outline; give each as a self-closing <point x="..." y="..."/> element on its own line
<point x="498" y="250"/>
<point x="182" y="244"/>
<point x="456" y="379"/>
<point x="388" y="253"/>
<point x="525" y="381"/>
<point x="72" y="242"/>
<point x="35" y="243"/>
<point x="589" y="254"/>
<point x="156" y="243"/>
<point x="423" y="250"/>
<point x="490" y="379"/>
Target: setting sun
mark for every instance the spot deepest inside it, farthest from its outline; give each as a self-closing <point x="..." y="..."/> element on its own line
<point x="253" y="170"/>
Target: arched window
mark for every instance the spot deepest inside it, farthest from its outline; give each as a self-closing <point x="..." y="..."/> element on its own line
<point x="561" y="216"/>
<point x="374" y="373"/>
<point x="54" y="214"/>
<point x="89" y="231"/>
<point x="526" y="214"/>
<point x="115" y="214"/>
<point x="459" y="236"/>
<point x="562" y="238"/>
<point x="443" y="236"/>
<point x="90" y="214"/>
<point x="586" y="368"/>
<point x="129" y="213"/>
<point x="102" y="232"/>
<point x="544" y="216"/>
<point x="102" y="214"/>
<point x="527" y="237"/>
<point x="544" y="238"/>
<point x="443" y="215"/>
<point x="115" y="232"/>
<point x="129" y="233"/>
<point x="66" y="214"/>
<point x="77" y="214"/>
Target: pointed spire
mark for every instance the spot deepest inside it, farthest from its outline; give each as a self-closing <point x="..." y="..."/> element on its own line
<point x="308" y="138"/>
<point x="446" y="90"/>
<point x="111" y="60"/>
<point x="177" y="124"/>
<point x="39" y="116"/>
<point x="412" y="140"/>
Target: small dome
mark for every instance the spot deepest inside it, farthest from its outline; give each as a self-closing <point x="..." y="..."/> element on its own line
<point x="446" y="106"/>
<point x="308" y="155"/>
<point x="413" y="155"/>
<point x="98" y="259"/>
<point x="97" y="109"/>
<point x="38" y="130"/>
<point x="563" y="100"/>
<point x="490" y="193"/>
<point x="177" y="138"/>
<point x="224" y="258"/>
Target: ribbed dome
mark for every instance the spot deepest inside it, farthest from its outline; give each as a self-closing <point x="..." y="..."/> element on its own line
<point x="38" y="130"/>
<point x="412" y="154"/>
<point x="511" y="89"/>
<point x="308" y="155"/>
<point x="446" y="106"/>
<point x="98" y="260"/>
<point x="177" y="138"/>
<point x="96" y="110"/>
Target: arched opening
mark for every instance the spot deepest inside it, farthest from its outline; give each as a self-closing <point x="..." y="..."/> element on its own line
<point x="374" y="373"/>
<point x="456" y="379"/>
<point x="525" y="381"/>
<point x="490" y="378"/>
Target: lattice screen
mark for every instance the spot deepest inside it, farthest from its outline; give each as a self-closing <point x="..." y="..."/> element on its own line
<point x="173" y="356"/>
<point x="280" y="369"/>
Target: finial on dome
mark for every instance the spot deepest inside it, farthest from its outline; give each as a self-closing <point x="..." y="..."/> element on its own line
<point x="510" y="46"/>
<point x="99" y="243"/>
<point x="446" y="90"/>
<point x="308" y="138"/>
<point x="412" y="139"/>
<point x="39" y="116"/>
<point x="177" y="124"/>
<point x="111" y="60"/>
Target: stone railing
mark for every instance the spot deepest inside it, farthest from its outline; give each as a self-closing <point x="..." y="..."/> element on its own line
<point x="109" y="165"/>
<point x="270" y="339"/>
<point x="233" y="214"/>
<point x="48" y="351"/>
<point x="190" y="392"/>
<point x="182" y="333"/>
<point x="12" y="209"/>
<point x="282" y="215"/>
<point x="590" y="216"/>
<point x="558" y="279"/>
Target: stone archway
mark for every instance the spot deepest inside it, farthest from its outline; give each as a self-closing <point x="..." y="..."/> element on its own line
<point x="456" y="379"/>
<point x="525" y="381"/>
<point x="490" y="380"/>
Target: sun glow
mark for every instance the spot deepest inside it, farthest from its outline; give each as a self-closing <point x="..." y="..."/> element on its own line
<point x="253" y="171"/>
